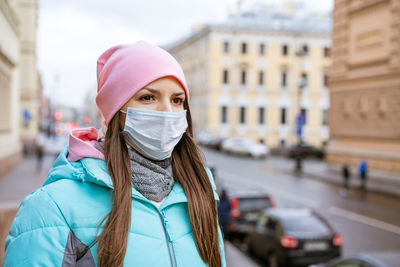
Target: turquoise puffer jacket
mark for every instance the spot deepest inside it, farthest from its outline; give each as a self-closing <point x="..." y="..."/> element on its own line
<point x="63" y="216"/>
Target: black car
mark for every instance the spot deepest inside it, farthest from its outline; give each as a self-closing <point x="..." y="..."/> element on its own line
<point x="368" y="259"/>
<point x="246" y="208"/>
<point x="305" y="150"/>
<point x="293" y="237"/>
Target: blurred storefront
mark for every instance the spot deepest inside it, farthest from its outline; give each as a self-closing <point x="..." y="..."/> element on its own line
<point x="252" y="74"/>
<point x="365" y="84"/>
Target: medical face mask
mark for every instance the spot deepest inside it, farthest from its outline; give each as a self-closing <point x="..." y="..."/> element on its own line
<point x="154" y="134"/>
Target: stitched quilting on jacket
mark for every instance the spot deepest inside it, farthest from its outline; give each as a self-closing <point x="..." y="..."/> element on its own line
<point x="58" y="222"/>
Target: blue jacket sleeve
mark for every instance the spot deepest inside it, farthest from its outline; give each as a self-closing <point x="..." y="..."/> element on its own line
<point x="38" y="234"/>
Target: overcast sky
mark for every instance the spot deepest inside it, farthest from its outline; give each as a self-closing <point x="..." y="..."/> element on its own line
<point x="72" y="34"/>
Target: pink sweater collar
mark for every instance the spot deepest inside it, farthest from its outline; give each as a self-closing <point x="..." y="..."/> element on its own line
<point x="82" y="144"/>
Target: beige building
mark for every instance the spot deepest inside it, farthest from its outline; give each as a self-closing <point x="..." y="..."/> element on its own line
<point x="18" y="75"/>
<point x="365" y="84"/>
<point x="27" y="12"/>
<point x="10" y="146"/>
<point x="251" y="75"/>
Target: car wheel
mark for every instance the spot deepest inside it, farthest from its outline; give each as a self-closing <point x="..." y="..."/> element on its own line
<point x="272" y="260"/>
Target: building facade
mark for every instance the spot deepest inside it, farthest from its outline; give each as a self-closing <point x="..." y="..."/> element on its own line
<point x="18" y="74"/>
<point x="365" y="84"/>
<point x="251" y="75"/>
<point x="10" y="145"/>
<point x="30" y="95"/>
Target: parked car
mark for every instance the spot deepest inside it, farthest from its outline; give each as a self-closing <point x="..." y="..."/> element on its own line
<point x="216" y="143"/>
<point x="246" y="208"/>
<point x="293" y="237"/>
<point x="306" y="150"/>
<point x="209" y="140"/>
<point x="245" y="146"/>
<point x="368" y="259"/>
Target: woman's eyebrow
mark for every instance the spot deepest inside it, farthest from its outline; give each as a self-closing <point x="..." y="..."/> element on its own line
<point x="157" y="91"/>
<point x="154" y="91"/>
<point x="178" y="94"/>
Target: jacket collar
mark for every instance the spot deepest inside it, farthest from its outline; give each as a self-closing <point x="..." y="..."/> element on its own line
<point x="94" y="170"/>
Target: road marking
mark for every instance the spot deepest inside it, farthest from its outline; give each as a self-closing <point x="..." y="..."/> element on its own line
<point x="365" y="220"/>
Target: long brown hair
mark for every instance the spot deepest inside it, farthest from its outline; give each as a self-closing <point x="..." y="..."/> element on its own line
<point x="189" y="171"/>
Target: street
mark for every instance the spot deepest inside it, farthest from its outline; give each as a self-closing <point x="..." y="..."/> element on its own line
<point x="366" y="224"/>
<point x="369" y="223"/>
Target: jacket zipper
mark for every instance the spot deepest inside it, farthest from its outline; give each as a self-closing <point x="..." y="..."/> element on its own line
<point x="168" y="240"/>
<point x="170" y="246"/>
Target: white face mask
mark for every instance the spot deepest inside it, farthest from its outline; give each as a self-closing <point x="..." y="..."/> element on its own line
<point x="154" y="134"/>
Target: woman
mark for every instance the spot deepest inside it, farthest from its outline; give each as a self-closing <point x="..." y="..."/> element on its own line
<point x="139" y="197"/>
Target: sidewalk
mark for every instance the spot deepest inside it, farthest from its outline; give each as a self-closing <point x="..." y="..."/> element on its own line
<point x="236" y="258"/>
<point x="14" y="187"/>
<point x="378" y="181"/>
<point x="24" y="179"/>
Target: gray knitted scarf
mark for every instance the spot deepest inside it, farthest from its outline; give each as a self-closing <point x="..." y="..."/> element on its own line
<point x="153" y="179"/>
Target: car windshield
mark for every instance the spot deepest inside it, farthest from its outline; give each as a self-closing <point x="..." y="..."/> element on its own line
<point x="250" y="204"/>
<point x="304" y="225"/>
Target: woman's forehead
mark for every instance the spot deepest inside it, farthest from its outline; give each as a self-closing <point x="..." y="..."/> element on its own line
<point x="165" y="83"/>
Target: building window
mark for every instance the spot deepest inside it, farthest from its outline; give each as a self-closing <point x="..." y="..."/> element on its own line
<point x="284" y="79"/>
<point x="304" y="113"/>
<point x="305" y="49"/>
<point x="261" y="115"/>
<point x="325" y="80"/>
<point x="225" y="77"/>
<point x="304" y="79"/>
<point x="262" y="49"/>
<point x="243" y="77"/>
<point x="327" y="52"/>
<point x="324" y="117"/>
<point x="242" y="115"/>
<point x="224" y="114"/>
<point x="244" y="48"/>
<point x="283" y="116"/>
<point x="226" y="47"/>
<point x="285" y="49"/>
<point x="261" y="78"/>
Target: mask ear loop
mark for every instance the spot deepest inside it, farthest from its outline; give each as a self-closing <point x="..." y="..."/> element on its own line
<point x="123" y="111"/>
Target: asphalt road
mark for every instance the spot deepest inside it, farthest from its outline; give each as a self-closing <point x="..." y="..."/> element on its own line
<point x="366" y="223"/>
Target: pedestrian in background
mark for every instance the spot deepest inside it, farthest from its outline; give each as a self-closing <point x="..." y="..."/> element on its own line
<point x="39" y="151"/>
<point x="140" y="195"/>
<point x="362" y="170"/>
<point x="224" y="211"/>
<point x="346" y="178"/>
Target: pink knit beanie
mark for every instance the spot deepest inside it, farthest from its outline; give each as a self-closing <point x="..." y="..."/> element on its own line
<point x="125" y="69"/>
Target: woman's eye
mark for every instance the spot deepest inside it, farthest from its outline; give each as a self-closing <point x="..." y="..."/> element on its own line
<point x="146" y="97"/>
<point x="178" y="101"/>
